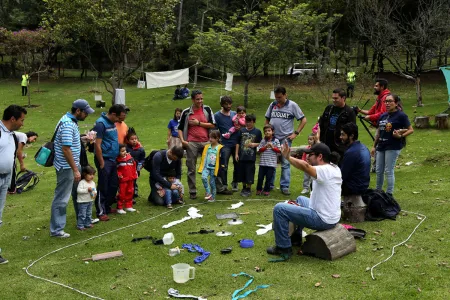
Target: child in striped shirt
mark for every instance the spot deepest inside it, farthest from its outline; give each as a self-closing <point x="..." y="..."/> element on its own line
<point x="268" y="147"/>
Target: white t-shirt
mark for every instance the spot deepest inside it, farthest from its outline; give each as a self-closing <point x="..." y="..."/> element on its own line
<point x="326" y="193"/>
<point x="21" y="137"/>
<point x="83" y="195"/>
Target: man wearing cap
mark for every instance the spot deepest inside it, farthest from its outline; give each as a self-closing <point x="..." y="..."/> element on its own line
<point x="67" y="163"/>
<point x="321" y="212"/>
<point x="122" y="128"/>
<point x="106" y="149"/>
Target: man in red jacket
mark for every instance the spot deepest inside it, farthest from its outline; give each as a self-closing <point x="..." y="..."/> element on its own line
<point x="374" y="113"/>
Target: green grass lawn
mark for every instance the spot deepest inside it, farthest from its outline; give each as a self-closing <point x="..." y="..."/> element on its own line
<point x="419" y="269"/>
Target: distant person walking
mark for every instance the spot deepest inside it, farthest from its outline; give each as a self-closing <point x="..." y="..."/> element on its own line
<point x="24" y="84"/>
<point x="173" y="139"/>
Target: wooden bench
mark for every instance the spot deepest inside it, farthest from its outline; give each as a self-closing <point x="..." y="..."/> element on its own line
<point x="329" y="244"/>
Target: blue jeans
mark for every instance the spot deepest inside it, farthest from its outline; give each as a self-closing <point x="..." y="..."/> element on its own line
<point x="212" y="181"/>
<point x="385" y="164"/>
<point x="171" y="196"/>
<point x="285" y="179"/>
<point x="5" y="180"/>
<point x="302" y="216"/>
<point x="222" y="178"/>
<point x="64" y="185"/>
<point x="84" y="219"/>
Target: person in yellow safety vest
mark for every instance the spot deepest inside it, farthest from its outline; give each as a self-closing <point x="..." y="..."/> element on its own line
<point x="351" y="77"/>
<point x="25" y="81"/>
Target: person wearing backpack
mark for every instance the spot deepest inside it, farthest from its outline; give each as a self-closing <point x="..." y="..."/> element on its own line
<point x="67" y="164"/>
<point x="160" y="163"/>
<point x="393" y="127"/>
<point x="13" y="117"/>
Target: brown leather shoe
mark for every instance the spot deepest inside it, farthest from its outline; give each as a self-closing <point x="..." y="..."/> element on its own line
<point x="104" y="218"/>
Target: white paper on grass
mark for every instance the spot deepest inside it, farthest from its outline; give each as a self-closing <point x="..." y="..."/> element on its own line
<point x="236" y="205"/>
<point x="229" y="82"/>
<point x="167" y="78"/>
<point x="193" y="214"/>
<point x="264" y="229"/>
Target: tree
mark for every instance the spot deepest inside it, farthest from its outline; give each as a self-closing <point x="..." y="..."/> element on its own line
<point x="246" y="42"/>
<point x="416" y="29"/>
<point x="128" y="31"/>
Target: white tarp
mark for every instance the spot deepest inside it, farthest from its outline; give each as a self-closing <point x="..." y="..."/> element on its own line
<point x="229" y="82"/>
<point x="120" y="96"/>
<point x="167" y="78"/>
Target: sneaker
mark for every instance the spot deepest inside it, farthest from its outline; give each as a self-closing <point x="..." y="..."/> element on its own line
<point x="169" y="206"/>
<point x="266" y="194"/>
<point x="89" y="226"/>
<point x="272" y="187"/>
<point x="258" y="192"/>
<point x="244" y="193"/>
<point x="285" y="191"/>
<point x="226" y="135"/>
<point x="275" y="250"/>
<point x="234" y="186"/>
<point x="3" y="260"/>
<point x="193" y="196"/>
<point x="81" y="228"/>
<point x="61" y="235"/>
<point x="130" y="209"/>
<point x="113" y="211"/>
<point x="121" y="212"/>
<point x="96" y="220"/>
<point x="104" y="218"/>
<point x="304" y="191"/>
<point x="208" y="196"/>
<point x="212" y="199"/>
<point x="225" y="192"/>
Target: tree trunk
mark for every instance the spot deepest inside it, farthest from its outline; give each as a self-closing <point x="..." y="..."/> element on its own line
<point x="29" y="94"/>
<point x="419" y="91"/>
<point x="266" y="69"/>
<point x="374" y="58"/>
<point x="365" y="54"/>
<point x="39" y="81"/>
<point x="247" y="82"/>
<point x="358" y="55"/>
<point x="180" y="15"/>
<point x="380" y="62"/>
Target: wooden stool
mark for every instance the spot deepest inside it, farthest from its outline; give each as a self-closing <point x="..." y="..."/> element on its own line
<point x="329" y="244"/>
<point x="354" y="210"/>
<point x="441" y="121"/>
<point x="422" y="122"/>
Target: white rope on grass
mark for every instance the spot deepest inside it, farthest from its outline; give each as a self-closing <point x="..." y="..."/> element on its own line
<point x="27" y="269"/>
<point x="407" y="239"/>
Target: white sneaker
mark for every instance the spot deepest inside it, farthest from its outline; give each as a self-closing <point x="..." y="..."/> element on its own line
<point x="130" y="209"/>
<point x="304" y="191"/>
<point x="121" y="211"/>
<point x="96" y="220"/>
<point x="62" y="235"/>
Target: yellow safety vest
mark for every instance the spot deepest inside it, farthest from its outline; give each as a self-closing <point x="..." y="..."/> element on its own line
<point x="351" y="77"/>
<point x="24" y="80"/>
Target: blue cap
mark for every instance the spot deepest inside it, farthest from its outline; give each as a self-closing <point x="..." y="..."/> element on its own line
<point x="246" y="243"/>
<point x="83" y="105"/>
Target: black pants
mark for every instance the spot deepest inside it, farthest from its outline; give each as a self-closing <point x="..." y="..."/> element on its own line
<point x="24" y="90"/>
<point x="268" y="173"/>
<point x="108" y="183"/>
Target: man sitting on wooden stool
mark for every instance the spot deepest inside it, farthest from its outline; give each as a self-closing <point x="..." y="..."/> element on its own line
<point x="322" y="211"/>
<point x="355" y="166"/>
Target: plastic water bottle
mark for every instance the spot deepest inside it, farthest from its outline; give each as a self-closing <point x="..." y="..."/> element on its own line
<point x="92" y="193"/>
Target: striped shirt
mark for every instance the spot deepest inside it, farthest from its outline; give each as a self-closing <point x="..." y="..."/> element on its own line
<point x="68" y="135"/>
<point x="268" y="157"/>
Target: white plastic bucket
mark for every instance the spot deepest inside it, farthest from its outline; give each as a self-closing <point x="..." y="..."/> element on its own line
<point x="181" y="273"/>
<point x="168" y="238"/>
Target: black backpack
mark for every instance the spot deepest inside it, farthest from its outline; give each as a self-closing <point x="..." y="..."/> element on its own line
<point x="25" y="181"/>
<point x="380" y="205"/>
<point x="149" y="159"/>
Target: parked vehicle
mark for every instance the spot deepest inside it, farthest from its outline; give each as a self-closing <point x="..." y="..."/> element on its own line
<point x="307" y="68"/>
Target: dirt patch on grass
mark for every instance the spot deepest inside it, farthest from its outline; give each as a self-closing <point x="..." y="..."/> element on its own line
<point x="438" y="159"/>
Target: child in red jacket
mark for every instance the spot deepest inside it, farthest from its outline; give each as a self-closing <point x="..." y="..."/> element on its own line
<point x="126" y="171"/>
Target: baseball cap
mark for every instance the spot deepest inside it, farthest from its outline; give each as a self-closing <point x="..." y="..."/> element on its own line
<point x="83" y="105"/>
<point x="319" y="148"/>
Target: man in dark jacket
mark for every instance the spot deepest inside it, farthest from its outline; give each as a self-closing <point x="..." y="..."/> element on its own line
<point x="162" y="162"/>
<point x="333" y="118"/>
<point x="355" y="165"/>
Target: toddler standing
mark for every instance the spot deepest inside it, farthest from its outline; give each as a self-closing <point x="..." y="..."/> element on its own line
<point x="269" y="147"/>
<point x="312" y="140"/>
<point x="138" y="153"/>
<point x="126" y="171"/>
<point x="238" y="121"/>
<point x="86" y="193"/>
<point x="210" y="165"/>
